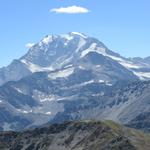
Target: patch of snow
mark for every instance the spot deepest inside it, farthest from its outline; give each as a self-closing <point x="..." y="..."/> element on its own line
<point x="101" y="81"/>
<point x="66" y="43"/>
<point x="61" y="74"/>
<point x="18" y="90"/>
<point x="29" y="45"/>
<point x="125" y="63"/>
<point x="48" y="113"/>
<point x="68" y="66"/>
<point x="67" y="37"/>
<point x="142" y="75"/>
<point x="63" y="61"/>
<point x="35" y="68"/>
<point x="115" y="58"/>
<point x="88" y="82"/>
<point x="1" y="101"/>
<point x="24" y="111"/>
<point x="80" y="34"/>
<point x="49" y="107"/>
<point x="109" y="84"/>
<point x="66" y="98"/>
<point x="99" y="94"/>
<point x="105" y="82"/>
<point x="48" y="39"/>
<point x="81" y="67"/>
<point x="93" y="48"/>
<point x="98" y="66"/>
<point x="82" y="42"/>
<point x="42" y="97"/>
<point x="130" y="65"/>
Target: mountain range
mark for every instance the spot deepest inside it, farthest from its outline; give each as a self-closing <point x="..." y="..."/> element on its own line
<point x="74" y="77"/>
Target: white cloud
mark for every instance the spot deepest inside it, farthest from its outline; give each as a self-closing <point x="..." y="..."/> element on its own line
<point x="70" y="10"/>
<point x="29" y="45"/>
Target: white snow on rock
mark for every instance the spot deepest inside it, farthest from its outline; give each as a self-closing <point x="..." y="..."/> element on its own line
<point x="82" y="42"/>
<point x="42" y="97"/>
<point x="79" y="51"/>
<point x="61" y="74"/>
<point x="93" y="48"/>
<point x="48" y="39"/>
<point x="126" y="63"/>
<point x="80" y="34"/>
<point x="19" y="90"/>
<point x="24" y="111"/>
<point x="48" y="113"/>
<point x="29" y="45"/>
<point x="82" y="67"/>
<point x="35" y="68"/>
<point x="142" y="75"/>
<point x="80" y="84"/>
<point x="131" y="65"/>
<point x="67" y="37"/>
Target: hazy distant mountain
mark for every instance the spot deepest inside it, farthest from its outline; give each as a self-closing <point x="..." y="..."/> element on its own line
<point x="143" y="60"/>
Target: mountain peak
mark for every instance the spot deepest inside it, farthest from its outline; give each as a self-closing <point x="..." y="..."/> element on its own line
<point x="57" y="51"/>
<point x="69" y="36"/>
<point x="78" y="34"/>
<point x="48" y="39"/>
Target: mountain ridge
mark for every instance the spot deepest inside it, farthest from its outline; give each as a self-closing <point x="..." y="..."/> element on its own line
<point x="89" y="135"/>
<point x="46" y="56"/>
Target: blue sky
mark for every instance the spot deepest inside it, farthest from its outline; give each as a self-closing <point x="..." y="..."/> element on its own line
<point x="123" y="25"/>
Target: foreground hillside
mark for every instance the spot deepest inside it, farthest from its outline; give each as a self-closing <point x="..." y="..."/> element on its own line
<point x="86" y="135"/>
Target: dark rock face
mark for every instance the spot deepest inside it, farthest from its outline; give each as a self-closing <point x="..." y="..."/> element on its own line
<point x="15" y="71"/>
<point x="142" y="122"/>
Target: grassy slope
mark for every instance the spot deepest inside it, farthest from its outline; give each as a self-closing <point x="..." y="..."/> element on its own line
<point x="138" y="138"/>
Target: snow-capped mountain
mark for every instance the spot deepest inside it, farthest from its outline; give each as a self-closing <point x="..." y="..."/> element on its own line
<point x="56" y="52"/>
<point x="66" y="77"/>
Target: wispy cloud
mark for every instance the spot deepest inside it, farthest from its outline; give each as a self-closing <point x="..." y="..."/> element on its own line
<point x="70" y="10"/>
<point x="29" y="45"/>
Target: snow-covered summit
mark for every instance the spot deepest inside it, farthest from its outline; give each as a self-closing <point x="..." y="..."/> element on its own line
<point x="78" y="34"/>
<point x="55" y="52"/>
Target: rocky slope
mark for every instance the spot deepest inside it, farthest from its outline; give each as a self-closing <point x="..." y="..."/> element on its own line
<point x="38" y="99"/>
<point x="85" y="135"/>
